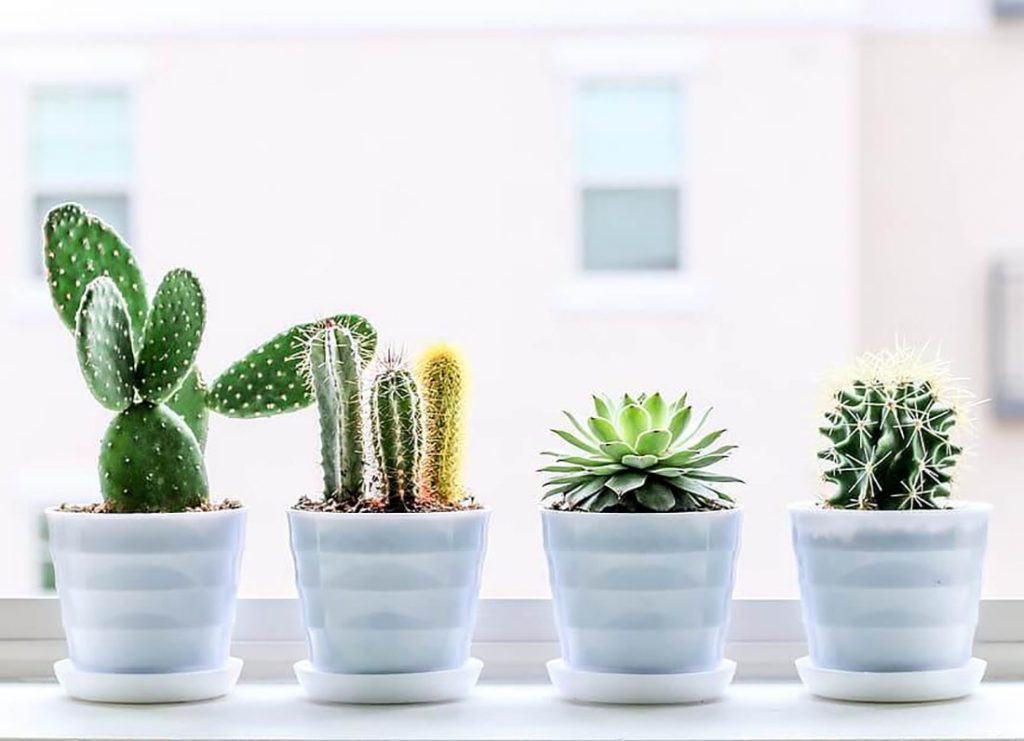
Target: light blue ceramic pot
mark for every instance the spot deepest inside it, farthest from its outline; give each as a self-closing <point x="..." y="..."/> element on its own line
<point x="890" y="591"/>
<point x="147" y="593"/>
<point x="642" y="593"/>
<point x="388" y="593"/>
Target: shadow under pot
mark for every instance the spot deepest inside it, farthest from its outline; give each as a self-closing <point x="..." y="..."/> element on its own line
<point x="642" y="593"/>
<point x="890" y="591"/>
<point x="147" y="593"/>
<point x="386" y="592"/>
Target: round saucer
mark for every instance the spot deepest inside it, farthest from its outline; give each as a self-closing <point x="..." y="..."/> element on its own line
<point x="147" y="688"/>
<point x="640" y="689"/>
<point x="926" y="686"/>
<point x="388" y="689"/>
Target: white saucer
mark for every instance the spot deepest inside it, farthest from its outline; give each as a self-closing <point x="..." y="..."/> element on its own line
<point x="640" y="689"/>
<point x="147" y="688"/>
<point x="389" y="689"/>
<point x="928" y="686"/>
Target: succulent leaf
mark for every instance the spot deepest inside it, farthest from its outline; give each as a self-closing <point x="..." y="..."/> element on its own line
<point x="79" y="248"/>
<point x="640" y="463"/>
<point x="274" y="378"/>
<point x="172" y="335"/>
<point x="103" y="337"/>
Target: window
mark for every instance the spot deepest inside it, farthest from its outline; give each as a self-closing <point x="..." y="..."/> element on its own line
<point x="1006" y="335"/>
<point x="80" y="149"/>
<point x="630" y="168"/>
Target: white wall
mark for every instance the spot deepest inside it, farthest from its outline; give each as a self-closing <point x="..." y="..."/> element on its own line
<point x="425" y="181"/>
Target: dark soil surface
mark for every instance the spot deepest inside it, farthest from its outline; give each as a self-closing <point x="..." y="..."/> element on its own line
<point x="379" y="505"/>
<point x="103" y="508"/>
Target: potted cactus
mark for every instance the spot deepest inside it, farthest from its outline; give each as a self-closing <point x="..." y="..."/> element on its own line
<point x="388" y="556"/>
<point x="147" y="577"/>
<point x="641" y="543"/>
<point x="890" y="569"/>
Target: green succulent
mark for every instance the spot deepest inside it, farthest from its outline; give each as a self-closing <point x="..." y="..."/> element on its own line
<point x="640" y="454"/>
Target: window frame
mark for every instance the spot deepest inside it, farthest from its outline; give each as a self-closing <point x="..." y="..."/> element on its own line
<point x="624" y="62"/>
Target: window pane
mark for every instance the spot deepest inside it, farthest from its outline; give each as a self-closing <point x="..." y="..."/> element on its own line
<point x="629" y="130"/>
<point x="80" y="136"/>
<point x="630" y="229"/>
<point x="112" y="208"/>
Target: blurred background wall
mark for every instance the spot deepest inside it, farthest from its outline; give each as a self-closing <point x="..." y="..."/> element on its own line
<point x="726" y="198"/>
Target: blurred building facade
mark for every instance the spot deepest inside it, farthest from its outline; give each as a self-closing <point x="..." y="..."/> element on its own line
<point x="730" y="202"/>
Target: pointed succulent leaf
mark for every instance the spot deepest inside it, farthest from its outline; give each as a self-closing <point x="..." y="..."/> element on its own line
<point x="677" y="425"/>
<point x="189" y="403"/>
<point x="626" y="481"/>
<point x="657" y="497"/>
<point x="78" y="248"/>
<point x="104" y="342"/>
<point x="172" y="335"/>
<point x="603" y="430"/>
<point x="657" y="409"/>
<point x="575" y="441"/>
<point x="604" y="408"/>
<point x="616" y="450"/>
<point x="653" y="442"/>
<point x="274" y="378"/>
<point x="600" y="502"/>
<point x="640" y="461"/>
<point x="588" y="489"/>
<point x="633" y="420"/>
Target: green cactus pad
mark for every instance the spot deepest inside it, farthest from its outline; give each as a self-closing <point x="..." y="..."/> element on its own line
<point x="151" y="462"/>
<point x="104" y="341"/>
<point x="274" y="378"/>
<point x="79" y="247"/>
<point x="189" y="403"/>
<point x="171" y="340"/>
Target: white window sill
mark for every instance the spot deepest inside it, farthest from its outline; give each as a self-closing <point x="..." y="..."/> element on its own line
<point x="781" y="710"/>
<point x="632" y="292"/>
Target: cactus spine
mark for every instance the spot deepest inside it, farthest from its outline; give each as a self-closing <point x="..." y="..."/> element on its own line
<point x="397" y="432"/>
<point x="138" y="360"/>
<point x="336" y="368"/>
<point x="441" y="377"/>
<point x="890" y="432"/>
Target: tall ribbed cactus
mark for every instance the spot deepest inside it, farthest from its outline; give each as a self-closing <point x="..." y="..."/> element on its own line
<point x="137" y="360"/>
<point x="890" y="435"/>
<point x="396" y="428"/>
<point x="336" y="366"/>
<point x="442" y="381"/>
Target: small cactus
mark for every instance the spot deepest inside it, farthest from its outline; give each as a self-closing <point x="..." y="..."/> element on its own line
<point x="890" y="431"/>
<point x="442" y="381"/>
<point x="137" y="361"/>
<point x="336" y="367"/>
<point x="396" y="428"/>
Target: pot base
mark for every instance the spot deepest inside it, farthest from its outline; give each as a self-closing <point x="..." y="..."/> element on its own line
<point x="144" y="689"/>
<point x="926" y="686"/>
<point x="388" y="689"/>
<point x="640" y="689"/>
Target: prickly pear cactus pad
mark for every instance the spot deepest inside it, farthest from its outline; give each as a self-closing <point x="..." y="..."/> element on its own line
<point x="638" y="454"/>
<point x="104" y="343"/>
<point x="890" y="429"/>
<point x="151" y="462"/>
<point x="275" y="378"/>
<point x="78" y="248"/>
<point x="171" y="339"/>
<point x="189" y="403"/>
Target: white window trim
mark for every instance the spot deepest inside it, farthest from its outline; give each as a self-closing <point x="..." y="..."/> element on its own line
<point x="674" y="291"/>
<point x="514" y="637"/>
<point x="32" y="69"/>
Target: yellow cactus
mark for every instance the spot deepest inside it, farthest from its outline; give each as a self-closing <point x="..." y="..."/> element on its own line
<point x="442" y="378"/>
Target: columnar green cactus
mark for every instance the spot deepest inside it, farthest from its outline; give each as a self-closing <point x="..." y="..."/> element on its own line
<point x="137" y="361"/>
<point x="336" y="367"/>
<point x="890" y="436"/>
<point x="396" y="428"/>
<point x="442" y="382"/>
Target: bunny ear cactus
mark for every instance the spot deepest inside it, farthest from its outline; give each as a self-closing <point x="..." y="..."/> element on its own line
<point x="396" y="428"/>
<point x="890" y="431"/>
<point x="134" y="359"/>
<point x="442" y="380"/>
<point x="638" y="454"/>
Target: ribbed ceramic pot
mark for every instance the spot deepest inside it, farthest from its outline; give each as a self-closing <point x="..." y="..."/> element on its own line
<point x="642" y="593"/>
<point x="147" y="593"/>
<point x="388" y="592"/>
<point x="886" y="591"/>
